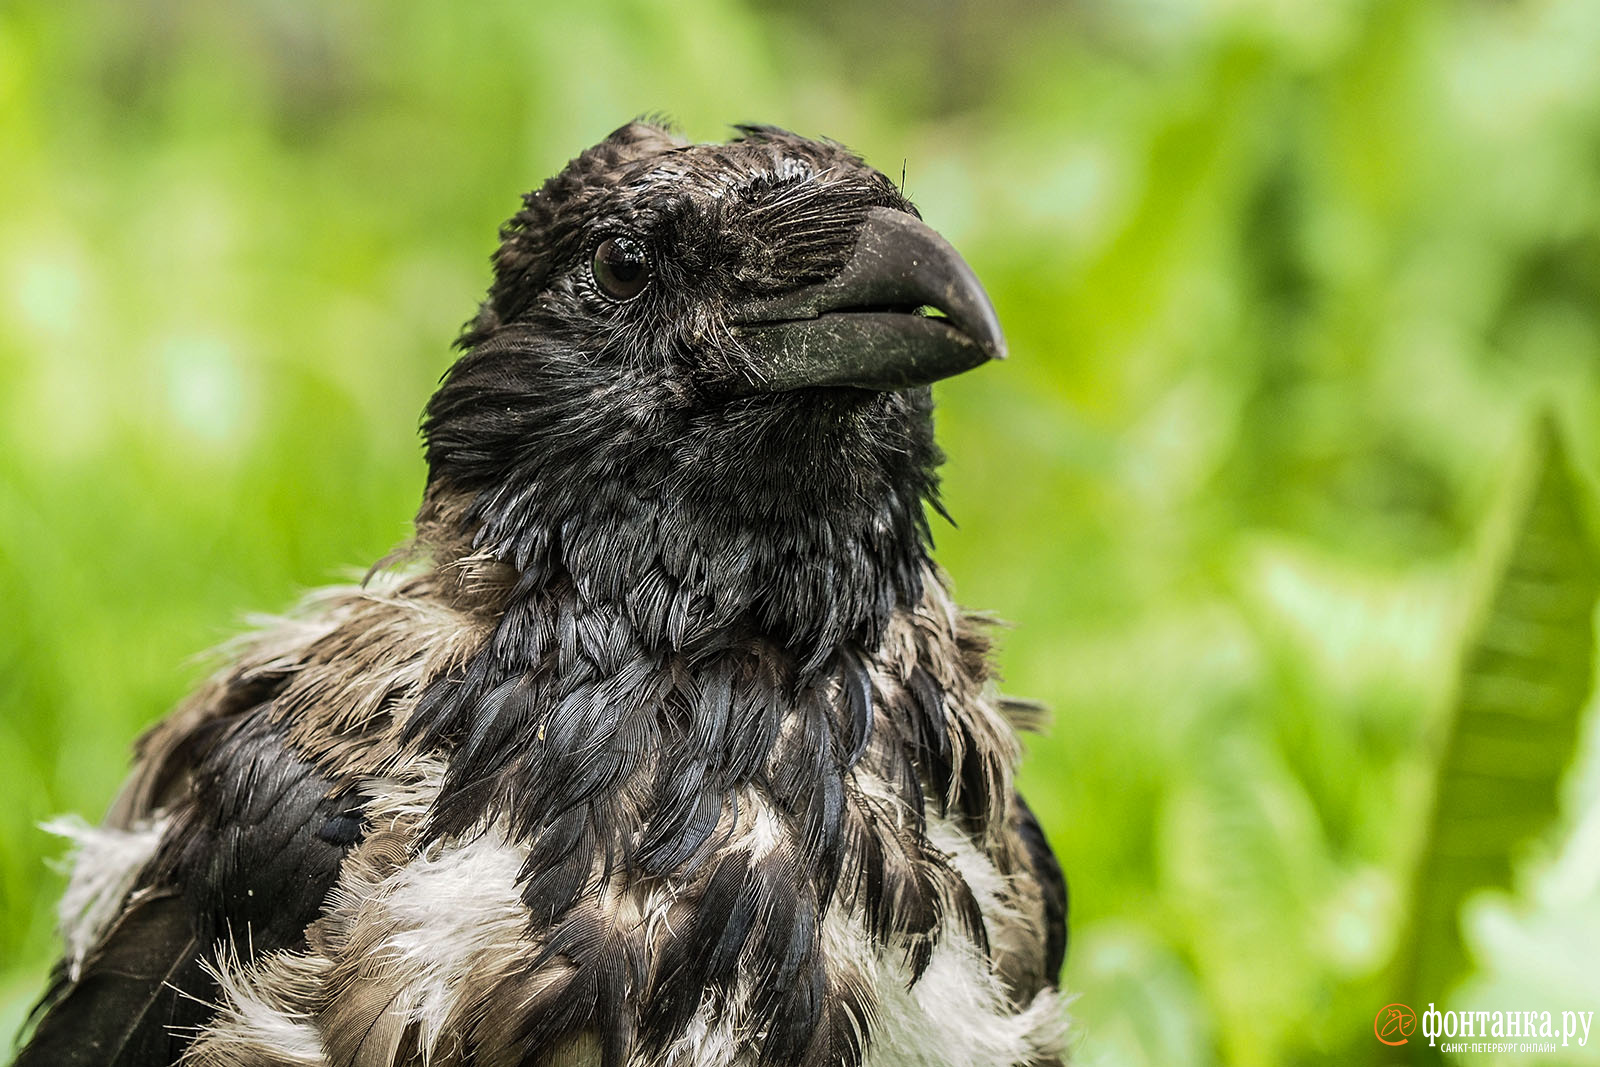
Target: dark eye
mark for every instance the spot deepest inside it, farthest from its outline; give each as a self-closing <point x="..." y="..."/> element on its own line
<point x="620" y="268"/>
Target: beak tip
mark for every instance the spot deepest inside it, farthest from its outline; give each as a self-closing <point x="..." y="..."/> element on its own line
<point x="990" y="338"/>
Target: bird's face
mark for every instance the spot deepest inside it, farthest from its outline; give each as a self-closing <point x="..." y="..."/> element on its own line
<point x="710" y="342"/>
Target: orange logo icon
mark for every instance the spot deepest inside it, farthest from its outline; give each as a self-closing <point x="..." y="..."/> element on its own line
<point x="1394" y="1024"/>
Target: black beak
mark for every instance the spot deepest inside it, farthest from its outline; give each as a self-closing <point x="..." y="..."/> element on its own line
<point x="861" y="327"/>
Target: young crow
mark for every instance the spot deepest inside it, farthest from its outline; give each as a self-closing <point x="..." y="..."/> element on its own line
<point x="663" y="742"/>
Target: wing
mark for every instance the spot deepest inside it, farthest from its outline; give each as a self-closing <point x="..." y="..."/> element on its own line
<point x="1047" y="869"/>
<point x="230" y="833"/>
<point x="254" y="840"/>
<point x="120" y="1008"/>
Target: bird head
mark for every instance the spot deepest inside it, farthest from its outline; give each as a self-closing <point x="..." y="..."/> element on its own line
<point x="699" y="386"/>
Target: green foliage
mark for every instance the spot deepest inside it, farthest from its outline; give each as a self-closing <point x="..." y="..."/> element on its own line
<point x="1525" y="680"/>
<point x="1282" y="282"/>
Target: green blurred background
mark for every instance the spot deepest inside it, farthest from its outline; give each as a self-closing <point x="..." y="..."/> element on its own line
<point x="1284" y="284"/>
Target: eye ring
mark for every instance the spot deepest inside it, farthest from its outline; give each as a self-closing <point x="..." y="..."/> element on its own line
<point x="620" y="267"/>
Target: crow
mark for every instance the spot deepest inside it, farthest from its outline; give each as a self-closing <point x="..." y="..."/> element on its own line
<point x="662" y="742"/>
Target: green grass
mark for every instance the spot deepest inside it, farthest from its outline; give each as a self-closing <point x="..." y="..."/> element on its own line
<point x="1284" y="284"/>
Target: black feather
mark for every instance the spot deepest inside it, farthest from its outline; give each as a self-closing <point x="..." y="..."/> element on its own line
<point x="256" y="843"/>
<point x="856" y="685"/>
<point x="139" y="997"/>
<point x="1053" y="883"/>
<point x="260" y="843"/>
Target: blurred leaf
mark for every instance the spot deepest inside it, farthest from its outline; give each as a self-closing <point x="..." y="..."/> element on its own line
<point x="1524" y="680"/>
<point x="1247" y="867"/>
<point x="1146" y="1008"/>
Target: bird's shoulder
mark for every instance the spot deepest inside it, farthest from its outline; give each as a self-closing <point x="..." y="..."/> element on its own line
<point x="231" y="828"/>
<point x="335" y="674"/>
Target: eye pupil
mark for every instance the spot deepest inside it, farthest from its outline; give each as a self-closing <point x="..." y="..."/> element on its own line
<point x="620" y="268"/>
